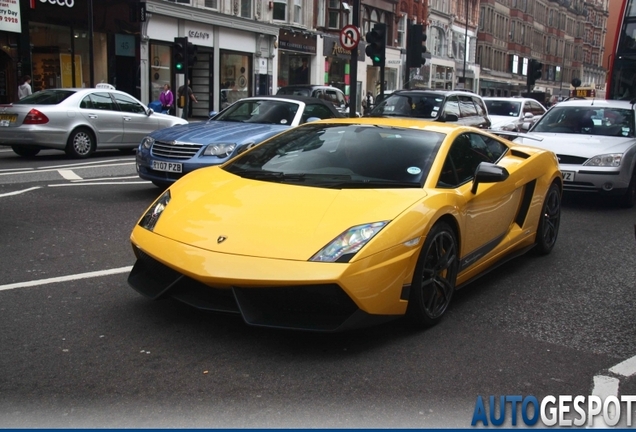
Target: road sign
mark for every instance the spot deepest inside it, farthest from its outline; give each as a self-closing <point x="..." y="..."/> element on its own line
<point x="349" y="37"/>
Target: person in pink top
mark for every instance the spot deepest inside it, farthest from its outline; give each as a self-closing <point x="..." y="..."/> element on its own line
<point x="167" y="99"/>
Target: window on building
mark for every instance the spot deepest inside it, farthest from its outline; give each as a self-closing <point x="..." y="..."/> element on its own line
<point x="298" y="12"/>
<point x="246" y="8"/>
<point x="436" y="42"/>
<point x="280" y="10"/>
<point x="211" y="4"/>
<point x="333" y="14"/>
<point x="401" y="32"/>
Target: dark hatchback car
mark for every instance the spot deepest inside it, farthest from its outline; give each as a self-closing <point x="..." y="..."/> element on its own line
<point x="458" y="107"/>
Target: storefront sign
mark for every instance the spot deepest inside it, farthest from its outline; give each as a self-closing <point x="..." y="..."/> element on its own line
<point x="297" y="42"/>
<point x="10" y="16"/>
<point x="67" y="3"/>
<point x="125" y="45"/>
<point x="332" y="48"/>
<point x="200" y="35"/>
<point x="194" y="34"/>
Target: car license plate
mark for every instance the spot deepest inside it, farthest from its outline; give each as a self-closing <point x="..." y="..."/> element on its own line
<point x="167" y="166"/>
<point x="7" y="119"/>
<point x="568" y="176"/>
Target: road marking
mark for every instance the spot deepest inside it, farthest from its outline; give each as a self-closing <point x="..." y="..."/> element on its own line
<point x="30" y="171"/>
<point x="69" y="174"/>
<point x="19" y="192"/>
<point x="66" y="278"/>
<point x="17" y="169"/>
<point x="626" y="368"/>
<point x="107" y="178"/>
<point x="79" y="164"/>
<point x="100" y="183"/>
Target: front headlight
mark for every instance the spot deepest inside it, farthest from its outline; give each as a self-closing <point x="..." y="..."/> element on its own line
<point x="220" y="150"/>
<point x="345" y="246"/>
<point x="606" y="160"/>
<point x="147" y="142"/>
<point x="154" y="212"/>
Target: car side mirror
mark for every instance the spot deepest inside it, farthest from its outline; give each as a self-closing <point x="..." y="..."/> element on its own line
<point x="528" y="115"/>
<point x="244" y="148"/>
<point x="525" y="126"/>
<point x="487" y="172"/>
<point x="149" y="111"/>
<point x="212" y="113"/>
<point x="447" y="117"/>
<point x="313" y="119"/>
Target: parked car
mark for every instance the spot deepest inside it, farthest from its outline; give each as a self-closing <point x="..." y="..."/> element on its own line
<point x="78" y="121"/>
<point x="450" y="106"/>
<point x="342" y="223"/>
<point x="513" y="113"/>
<point x="595" y="142"/>
<point x="167" y="155"/>
<point x="328" y="93"/>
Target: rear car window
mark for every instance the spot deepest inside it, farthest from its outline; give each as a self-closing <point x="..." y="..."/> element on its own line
<point x="294" y="91"/>
<point x="45" y="97"/>
<point x="409" y="105"/>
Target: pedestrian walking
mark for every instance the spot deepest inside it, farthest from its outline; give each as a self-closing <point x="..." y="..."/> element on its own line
<point x="24" y="89"/>
<point x="187" y="107"/>
<point x="167" y="99"/>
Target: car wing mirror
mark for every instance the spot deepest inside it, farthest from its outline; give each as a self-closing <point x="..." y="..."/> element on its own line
<point x="244" y="148"/>
<point x="528" y="115"/>
<point x="447" y="117"/>
<point x="149" y="111"/>
<point x="313" y="119"/>
<point x="212" y="113"/>
<point x="487" y="172"/>
<point x="525" y="126"/>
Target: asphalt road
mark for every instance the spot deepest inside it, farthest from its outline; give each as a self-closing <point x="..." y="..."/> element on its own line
<point x="91" y="352"/>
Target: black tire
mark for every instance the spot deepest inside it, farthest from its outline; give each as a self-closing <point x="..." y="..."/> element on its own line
<point x="629" y="199"/>
<point x="434" y="279"/>
<point x="549" y="220"/>
<point x="25" y="151"/>
<point x="81" y="143"/>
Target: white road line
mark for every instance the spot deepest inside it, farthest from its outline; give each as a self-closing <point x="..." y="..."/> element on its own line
<point x="100" y="183"/>
<point x="56" y="169"/>
<point x="69" y="174"/>
<point x="626" y="368"/>
<point x="19" y="192"/>
<point x="66" y="278"/>
<point x="605" y="386"/>
<point x="107" y="178"/>
<point x="79" y="164"/>
<point x="17" y="169"/>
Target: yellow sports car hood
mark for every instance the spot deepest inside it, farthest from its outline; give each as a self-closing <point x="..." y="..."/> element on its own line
<point x="218" y="211"/>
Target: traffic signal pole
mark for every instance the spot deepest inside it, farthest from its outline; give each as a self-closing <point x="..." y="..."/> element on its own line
<point x="353" y="67"/>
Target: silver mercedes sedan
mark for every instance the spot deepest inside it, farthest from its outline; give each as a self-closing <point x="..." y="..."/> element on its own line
<point x="78" y="121"/>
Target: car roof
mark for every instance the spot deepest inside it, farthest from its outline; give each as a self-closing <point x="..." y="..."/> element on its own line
<point x="313" y="86"/>
<point x="297" y="98"/>
<point x="401" y="122"/>
<point x="509" y="98"/>
<point x="599" y="103"/>
<point x="435" y="92"/>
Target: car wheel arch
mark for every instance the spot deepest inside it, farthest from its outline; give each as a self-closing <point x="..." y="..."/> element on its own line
<point x="71" y="134"/>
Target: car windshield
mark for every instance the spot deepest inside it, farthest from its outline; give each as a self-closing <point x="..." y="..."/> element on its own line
<point x="343" y="156"/>
<point x="294" y="91"/>
<point x="424" y="106"/>
<point x="617" y="122"/>
<point x="45" y="97"/>
<point x="503" y="108"/>
<point x="265" y="111"/>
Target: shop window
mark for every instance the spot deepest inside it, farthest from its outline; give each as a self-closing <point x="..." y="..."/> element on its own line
<point x="235" y="77"/>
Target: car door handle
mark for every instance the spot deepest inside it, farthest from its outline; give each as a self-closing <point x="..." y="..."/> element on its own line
<point x="92" y="116"/>
<point x="127" y="118"/>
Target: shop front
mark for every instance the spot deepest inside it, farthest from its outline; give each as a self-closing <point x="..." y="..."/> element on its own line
<point x="233" y="56"/>
<point x="62" y="44"/>
<point x="296" y="57"/>
<point x="338" y="63"/>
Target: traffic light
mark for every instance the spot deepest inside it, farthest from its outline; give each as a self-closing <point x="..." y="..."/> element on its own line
<point x="192" y="54"/>
<point x="179" y="54"/>
<point x="376" y="44"/>
<point x="534" y="72"/>
<point x="416" y="46"/>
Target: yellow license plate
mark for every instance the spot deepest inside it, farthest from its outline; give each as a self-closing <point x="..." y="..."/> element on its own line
<point x="11" y="117"/>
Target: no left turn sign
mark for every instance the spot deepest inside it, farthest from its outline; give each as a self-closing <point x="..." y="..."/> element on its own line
<point x="349" y="37"/>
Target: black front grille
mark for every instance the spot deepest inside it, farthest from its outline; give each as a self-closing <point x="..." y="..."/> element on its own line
<point x="175" y="150"/>
<point x="571" y="160"/>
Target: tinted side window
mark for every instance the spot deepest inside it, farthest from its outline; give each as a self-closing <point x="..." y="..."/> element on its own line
<point x="466" y="153"/>
<point x="489" y="149"/>
<point x="480" y="106"/>
<point x="103" y="101"/>
<point x="452" y="106"/>
<point x="467" y="107"/>
<point x="315" y="110"/>
<point x="128" y="104"/>
<point x="537" y="109"/>
<point x="86" y="102"/>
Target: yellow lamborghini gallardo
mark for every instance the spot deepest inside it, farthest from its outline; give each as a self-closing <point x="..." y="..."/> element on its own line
<point x="342" y="223"/>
